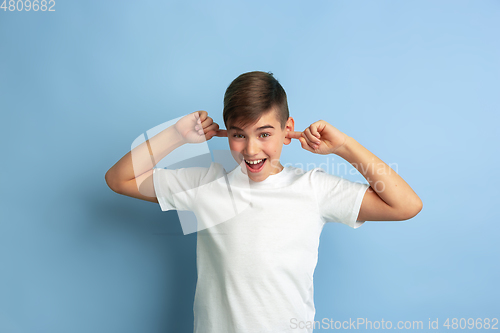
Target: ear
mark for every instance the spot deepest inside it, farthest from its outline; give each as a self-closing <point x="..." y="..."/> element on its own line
<point x="289" y="126"/>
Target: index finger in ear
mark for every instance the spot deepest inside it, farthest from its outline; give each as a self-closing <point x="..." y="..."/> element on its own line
<point x="221" y="133"/>
<point x="293" y="134"/>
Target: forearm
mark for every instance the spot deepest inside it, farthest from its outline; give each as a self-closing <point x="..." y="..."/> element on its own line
<point x="145" y="156"/>
<point x="389" y="186"/>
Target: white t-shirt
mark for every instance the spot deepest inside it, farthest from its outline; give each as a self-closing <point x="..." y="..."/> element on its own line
<point x="255" y="270"/>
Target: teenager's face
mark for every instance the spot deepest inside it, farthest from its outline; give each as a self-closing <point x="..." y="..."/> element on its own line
<point x="260" y="141"/>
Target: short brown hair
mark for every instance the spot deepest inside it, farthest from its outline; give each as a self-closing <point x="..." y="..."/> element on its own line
<point x="250" y="96"/>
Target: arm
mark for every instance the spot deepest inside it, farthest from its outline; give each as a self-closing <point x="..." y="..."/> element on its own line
<point x="132" y="175"/>
<point x="389" y="197"/>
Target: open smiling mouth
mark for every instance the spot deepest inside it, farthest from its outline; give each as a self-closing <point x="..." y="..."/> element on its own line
<point x="257" y="166"/>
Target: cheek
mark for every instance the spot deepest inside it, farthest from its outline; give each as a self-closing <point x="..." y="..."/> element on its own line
<point x="274" y="146"/>
<point x="234" y="145"/>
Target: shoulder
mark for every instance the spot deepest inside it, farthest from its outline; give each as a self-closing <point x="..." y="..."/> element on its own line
<point x="214" y="172"/>
<point x="198" y="174"/>
<point x="314" y="178"/>
<point x="321" y="177"/>
<point x="323" y="182"/>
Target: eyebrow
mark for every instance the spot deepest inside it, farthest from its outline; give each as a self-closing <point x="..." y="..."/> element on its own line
<point x="258" y="129"/>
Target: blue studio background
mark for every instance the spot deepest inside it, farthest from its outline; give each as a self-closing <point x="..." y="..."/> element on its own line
<point x="416" y="82"/>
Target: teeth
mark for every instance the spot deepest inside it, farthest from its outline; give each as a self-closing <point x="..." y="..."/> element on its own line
<point x="253" y="162"/>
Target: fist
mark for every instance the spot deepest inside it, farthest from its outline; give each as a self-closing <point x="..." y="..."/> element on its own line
<point x="197" y="127"/>
<point x="320" y="138"/>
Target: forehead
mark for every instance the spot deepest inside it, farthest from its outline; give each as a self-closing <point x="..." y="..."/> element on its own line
<point x="266" y="121"/>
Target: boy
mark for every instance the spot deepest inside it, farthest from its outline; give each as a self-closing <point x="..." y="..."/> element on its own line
<point x="255" y="270"/>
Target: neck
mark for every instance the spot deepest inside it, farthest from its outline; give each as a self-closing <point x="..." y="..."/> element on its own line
<point x="278" y="170"/>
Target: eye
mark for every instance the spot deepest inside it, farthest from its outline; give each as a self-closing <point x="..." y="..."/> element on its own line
<point x="267" y="134"/>
<point x="237" y="135"/>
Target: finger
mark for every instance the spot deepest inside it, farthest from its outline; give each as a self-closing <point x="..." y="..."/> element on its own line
<point x="307" y="140"/>
<point x="207" y="122"/>
<point x="293" y="134"/>
<point x="304" y="144"/>
<point x="202" y="115"/>
<point x="221" y="133"/>
<point x="211" y="130"/>
<point x="314" y="131"/>
<point x="312" y="144"/>
<point x="310" y="137"/>
<point x="199" y="127"/>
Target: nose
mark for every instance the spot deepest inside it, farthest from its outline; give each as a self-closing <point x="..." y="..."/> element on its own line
<point x="252" y="147"/>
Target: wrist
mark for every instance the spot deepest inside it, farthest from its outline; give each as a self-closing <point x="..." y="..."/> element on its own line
<point x="342" y="149"/>
<point x="176" y="138"/>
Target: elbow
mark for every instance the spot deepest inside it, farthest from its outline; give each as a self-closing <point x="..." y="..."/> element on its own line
<point x="418" y="206"/>
<point x="110" y="182"/>
<point x="413" y="209"/>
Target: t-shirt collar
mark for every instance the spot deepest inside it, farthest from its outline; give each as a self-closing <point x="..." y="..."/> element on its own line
<point x="238" y="178"/>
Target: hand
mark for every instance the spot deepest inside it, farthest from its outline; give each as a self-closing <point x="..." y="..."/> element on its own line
<point x="197" y="127"/>
<point x="320" y="138"/>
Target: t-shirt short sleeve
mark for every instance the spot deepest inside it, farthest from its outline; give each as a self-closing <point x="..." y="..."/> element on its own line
<point x="177" y="189"/>
<point x="339" y="199"/>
